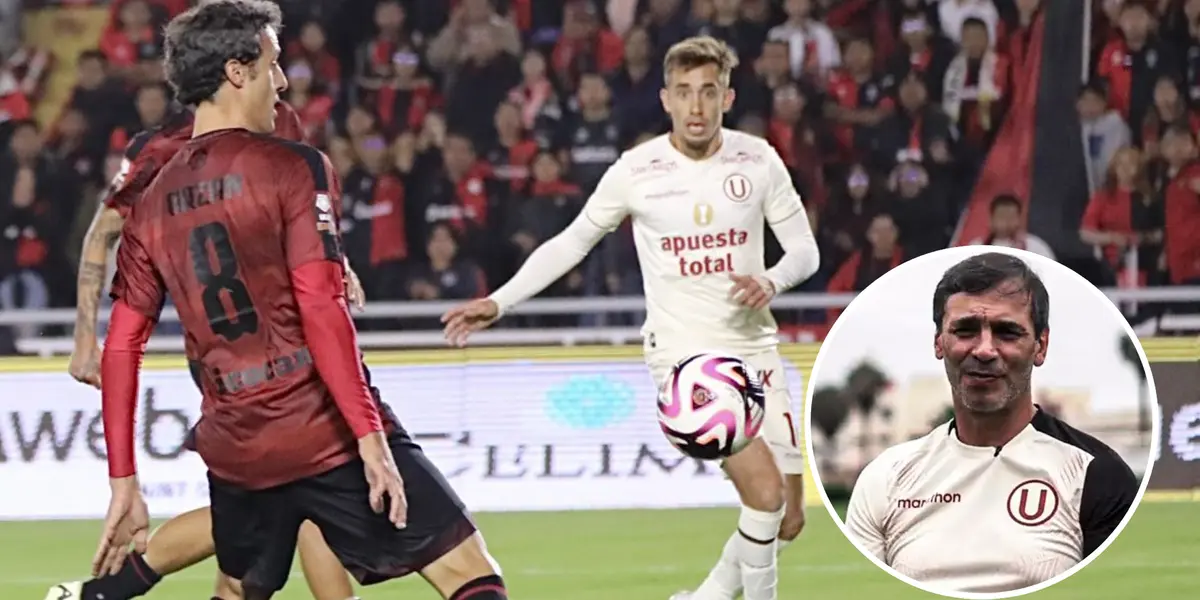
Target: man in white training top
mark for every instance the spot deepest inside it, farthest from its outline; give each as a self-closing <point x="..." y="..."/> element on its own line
<point x="1004" y="496"/>
<point x="698" y="198"/>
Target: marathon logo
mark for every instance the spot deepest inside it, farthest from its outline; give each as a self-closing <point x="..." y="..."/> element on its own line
<point x="741" y="158"/>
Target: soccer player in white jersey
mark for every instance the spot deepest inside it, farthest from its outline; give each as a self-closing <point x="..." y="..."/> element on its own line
<point x="698" y="198"/>
<point x="1004" y="496"/>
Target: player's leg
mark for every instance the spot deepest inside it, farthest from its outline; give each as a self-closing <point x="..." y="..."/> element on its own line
<point x="724" y="582"/>
<point x="752" y="548"/>
<point x="440" y="541"/>
<point x="327" y="578"/>
<point x="176" y="545"/>
<point x="254" y="536"/>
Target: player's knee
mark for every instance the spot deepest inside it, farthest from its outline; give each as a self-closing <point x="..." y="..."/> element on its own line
<point x="227" y="588"/>
<point x="488" y="587"/>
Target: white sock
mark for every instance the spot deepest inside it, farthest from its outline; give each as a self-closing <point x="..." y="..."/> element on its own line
<point x="724" y="582"/>
<point x="782" y="544"/>
<point x="756" y="552"/>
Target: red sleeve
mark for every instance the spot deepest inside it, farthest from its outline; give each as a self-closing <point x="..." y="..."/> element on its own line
<point x="843" y="282"/>
<point x="318" y="282"/>
<point x="1093" y="214"/>
<point x="287" y="123"/>
<point x="139" y="296"/>
<point x="124" y="346"/>
<point x="1105" y="64"/>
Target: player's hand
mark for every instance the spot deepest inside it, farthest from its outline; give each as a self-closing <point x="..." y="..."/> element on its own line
<point x="383" y="478"/>
<point x="85" y="363"/>
<point x="354" y="289"/>
<point x="127" y="522"/>
<point x="464" y="319"/>
<point x="751" y="291"/>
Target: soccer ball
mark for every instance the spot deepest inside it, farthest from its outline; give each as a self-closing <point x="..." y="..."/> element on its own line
<point x="711" y="405"/>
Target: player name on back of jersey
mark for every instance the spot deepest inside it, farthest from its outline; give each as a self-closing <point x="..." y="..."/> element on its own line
<point x="204" y="193"/>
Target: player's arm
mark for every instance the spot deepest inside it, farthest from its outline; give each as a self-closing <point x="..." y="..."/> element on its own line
<point x="101" y="236"/>
<point x="787" y="218"/>
<point x="1109" y="490"/>
<point x="309" y="198"/>
<point x="138" y="292"/>
<point x="868" y="508"/>
<point x="603" y="212"/>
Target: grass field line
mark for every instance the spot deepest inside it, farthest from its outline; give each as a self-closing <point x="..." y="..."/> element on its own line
<point x="203" y="574"/>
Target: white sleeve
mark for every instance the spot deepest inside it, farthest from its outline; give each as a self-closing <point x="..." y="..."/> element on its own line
<point x="604" y="211"/>
<point x="868" y="508"/>
<point x="789" y="221"/>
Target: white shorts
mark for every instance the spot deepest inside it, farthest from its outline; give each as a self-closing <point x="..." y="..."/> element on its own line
<point x="780" y="423"/>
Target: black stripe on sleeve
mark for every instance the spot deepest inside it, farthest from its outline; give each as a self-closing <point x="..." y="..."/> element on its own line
<point x="313" y="158"/>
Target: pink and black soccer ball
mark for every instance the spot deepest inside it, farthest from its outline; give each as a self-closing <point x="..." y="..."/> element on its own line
<point x="711" y="405"/>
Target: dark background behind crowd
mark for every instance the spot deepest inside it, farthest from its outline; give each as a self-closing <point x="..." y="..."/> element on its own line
<point x="467" y="132"/>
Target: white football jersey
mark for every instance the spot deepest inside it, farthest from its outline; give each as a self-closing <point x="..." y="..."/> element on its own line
<point x="695" y="223"/>
<point x="985" y="519"/>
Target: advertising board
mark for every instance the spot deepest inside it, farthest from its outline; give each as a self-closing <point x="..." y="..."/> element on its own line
<point x="568" y="430"/>
<point x="513" y="429"/>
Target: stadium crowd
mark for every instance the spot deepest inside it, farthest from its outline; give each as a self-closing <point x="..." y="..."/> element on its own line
<point x="466" y="132"/>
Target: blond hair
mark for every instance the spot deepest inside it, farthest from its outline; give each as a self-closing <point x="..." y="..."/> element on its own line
<point x="700" y="51"/>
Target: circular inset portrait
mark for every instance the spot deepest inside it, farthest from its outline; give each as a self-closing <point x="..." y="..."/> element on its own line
<point x="981" y="422"/>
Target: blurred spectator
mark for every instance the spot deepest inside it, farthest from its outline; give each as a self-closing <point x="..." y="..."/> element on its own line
<point x="636" y="83"/>
<point x="461" y="192"/>
<point x="452" y="47"/>
<point x="667" y="22"/>
<point x="375" y="59"/>
<point x="812" y="48"/>
<point x="953" y="14"/>
<point x="102" y="100"/>
<point x="550" y="206"/>
<point x="445" y="274"/>
<point x="861" y="100"/>
<point x="1104" y="132"/>
<point x="1006" y="227"/>
<point x="975" y="90"/>
<point x="1181" y="201"/>
<point x="310" y="46"/>
<point x="727" y="24"/>
<point x="478" y="85"/>
<point x="802" y="141"/>
<point x="1169" y="108"/>
<point x="403" y="99"/>
<point x="72" y="146"/>
<point x="863" y="267"/>
<point x="1124" y="219"/>
<point x="513" y="151"/>
<point x="1132" y="63"/>
<point x="921" y="52"/>
<point x="584" y="46"/>
<point x="921" y="211"/>
<point x="28" y="67"/>
<point x="151" y="101"/>
<point x="374" y="222"/>
<point x="312" y="102"/>
<point x="37" y="193"/>
<point x="541" y="109"/>
<point x="843" y="224"/>
<point x="919" y="131"/>
<point x="133" y="44"/>
<point x="591" y="139"/>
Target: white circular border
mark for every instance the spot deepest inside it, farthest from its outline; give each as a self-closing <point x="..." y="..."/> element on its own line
<point x="1038" y="262"/>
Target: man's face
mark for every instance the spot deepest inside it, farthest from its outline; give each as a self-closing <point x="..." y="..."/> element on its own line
<point x="989" y="349"/>
<point x="1135" y="23"/>
<point x="1006" y="221"/>
<point x="458" y="155"/>
<point x="775" y="59"/>
<point x="859" y="56"/>
<point x="697" y="100"/>
<point x="882" y="233"/>
<point x="975" y="40"/>
<point x="1091" y="106"/>
<point x="262" y="84"/>
<point x="593" y="92"/>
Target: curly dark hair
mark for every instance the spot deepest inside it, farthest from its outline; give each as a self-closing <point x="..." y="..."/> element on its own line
<point x="200" y="41"/>
<point x="986" y="272"/>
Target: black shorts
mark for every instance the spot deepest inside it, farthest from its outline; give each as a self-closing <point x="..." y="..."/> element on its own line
<point x="255" y="531"/>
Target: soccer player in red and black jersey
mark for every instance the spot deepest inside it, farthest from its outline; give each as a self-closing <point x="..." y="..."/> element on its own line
<point x="186" y="539"/>
<point x="242" y="230"/>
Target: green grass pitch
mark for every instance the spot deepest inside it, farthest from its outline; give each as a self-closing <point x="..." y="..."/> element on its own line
<point x="648" y="555"/>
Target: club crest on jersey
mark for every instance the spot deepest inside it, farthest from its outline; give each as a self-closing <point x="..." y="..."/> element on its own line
<point x="324" y="206"/>
<point x="737" y="187"/>
<point x="1033" y="503"/>
<point x="702" y="214"/>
